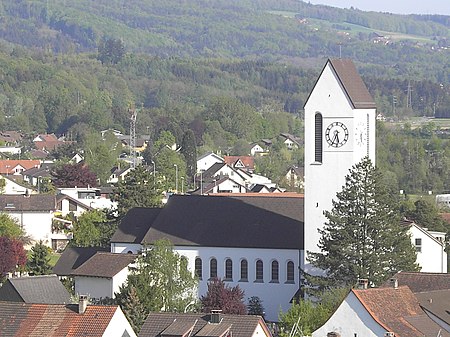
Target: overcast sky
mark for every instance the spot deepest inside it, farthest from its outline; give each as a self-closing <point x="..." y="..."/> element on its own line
<point x="392" y="6"/>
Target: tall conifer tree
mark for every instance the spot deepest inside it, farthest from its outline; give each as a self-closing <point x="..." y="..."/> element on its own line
<point x="363" y="237"/>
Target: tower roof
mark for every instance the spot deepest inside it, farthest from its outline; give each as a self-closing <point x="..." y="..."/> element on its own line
<point x="351" y="82"/>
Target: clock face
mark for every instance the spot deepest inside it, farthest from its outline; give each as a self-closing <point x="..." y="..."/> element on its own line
<point x="336" y="134"/>
<point x="360" y="134"/>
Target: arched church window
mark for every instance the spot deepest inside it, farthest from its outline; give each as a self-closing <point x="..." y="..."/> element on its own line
<point x="259" y="271"/>
<point x="198" y="268"/>
<point x="244" y="270"/>
<point x="213" y="268"/>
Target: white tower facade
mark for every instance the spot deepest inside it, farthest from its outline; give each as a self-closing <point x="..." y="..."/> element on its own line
<point x="339" y="131"/>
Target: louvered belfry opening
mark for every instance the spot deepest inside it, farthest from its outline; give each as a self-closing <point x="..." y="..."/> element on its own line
<point x="318" y="126"/>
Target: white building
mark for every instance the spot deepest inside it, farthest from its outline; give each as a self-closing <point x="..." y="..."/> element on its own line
<point x="207" y="160"/>
<point x="102" y="275"/>
<point x="430" y="248"/>
<point x="34" y="214"/>
<point x="250" y="241"/>
<point x="339" y="132"/>
<point x="380" y="312"/>
<point x="91" y="197"/>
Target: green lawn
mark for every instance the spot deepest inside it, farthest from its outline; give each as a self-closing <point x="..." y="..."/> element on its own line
<point x="54" y="257"/>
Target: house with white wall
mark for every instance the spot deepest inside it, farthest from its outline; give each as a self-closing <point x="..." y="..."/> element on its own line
<point x="26" y="319"/>
<point x="102" y="275"/>
<point x="89" y="196"/>
<point x="205" y="161"/>
<point x="391" y="311"/>
<point x="34" y="213"/>
<point x="250" y="241"/>
<point x="430" y="248"/>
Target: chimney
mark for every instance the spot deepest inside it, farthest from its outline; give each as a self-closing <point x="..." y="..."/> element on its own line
<point x="333" y="334"/>
<point x="215" y="316"/>
<point x="394" y="283"/>
<point x="362" y="283"/>
<point x="82" y="304"/>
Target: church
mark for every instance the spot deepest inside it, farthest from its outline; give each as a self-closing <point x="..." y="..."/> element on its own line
<point x="259" y="242"/>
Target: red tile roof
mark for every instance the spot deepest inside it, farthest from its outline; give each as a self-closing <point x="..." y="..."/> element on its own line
<point x="176" y="324"/>
<point x="396" y="310"/>
<point x="248" y="161"/>
<point x="21" y="319"/>
<point x="420" y="282"/>
<point x="7" y="166"/>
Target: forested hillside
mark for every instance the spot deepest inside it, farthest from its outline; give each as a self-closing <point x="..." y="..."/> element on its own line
<point x="233" y="72"/>
<point x="265" y="29"/>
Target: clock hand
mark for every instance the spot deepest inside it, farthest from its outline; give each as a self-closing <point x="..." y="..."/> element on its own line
<point x="335" y="137"/>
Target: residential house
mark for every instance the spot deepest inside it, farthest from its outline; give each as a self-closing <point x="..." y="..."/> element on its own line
<point x="48" y="142"/>
<point x="59" y="320"/>
<point x="12" y="150"/>
<point x="220" y="170"/>
<point x="258" y="188"/>
<point x="45" y="289"/>
<point x="220" y="185"/>
<point x="295" y="178"/>
<point x="420" y="282"/>
<point x="74" y="257"/>
<point x="290" y="141"/>
<point x="214" y="324"/>
<point x="35" y="175"/>
<point x="256" y="149"/>
<point x="207" y="160"/>
<point x="11" y="138"/>
<point x="436" y="306"/>
<point x="89" y="196"/>
<point x="430" y="248"/>
<point x="432" y="291"/>
<point x="390" y="311"/>
<point x="13" y="186"/>
<point x="255" y="242"/>
<point x="244" y="163"/>
<point x="16" y="167"/>
<point x="118" y="174"/>
<point x="67" y="205"/>
<point x="34" y="213"/>
<point x="102" y="275"/>
<point x="261" y="147"/>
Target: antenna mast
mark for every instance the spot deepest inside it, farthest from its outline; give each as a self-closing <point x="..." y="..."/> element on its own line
<point x="133" y="116"/>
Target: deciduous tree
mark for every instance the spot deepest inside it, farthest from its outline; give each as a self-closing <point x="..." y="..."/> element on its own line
<point x="222" y="297"/>
<point x="74" y="175"/>
<point x="363" y="237"/>
<point x="9" y="227"/>
<point x="12" y="255"/>
<point x="160" y="279"/>
<point x="92" y="229"/>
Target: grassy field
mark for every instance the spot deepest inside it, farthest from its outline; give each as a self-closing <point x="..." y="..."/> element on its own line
<point x="354" y="29"/>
